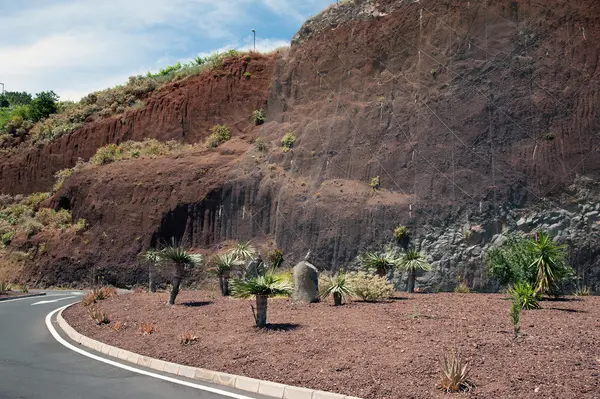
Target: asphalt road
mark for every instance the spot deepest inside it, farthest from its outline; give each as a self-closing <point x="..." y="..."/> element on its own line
<point x="33" y="364"/>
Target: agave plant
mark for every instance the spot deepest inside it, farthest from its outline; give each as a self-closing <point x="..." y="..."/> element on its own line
<point x="4" y="287"/>
<point x="152" y="258"/>
<point x="549" y="260"/>
<point x="337" y="286"/>
<point x="261" y="287"/>
<point x="222" y="266"/>
<point x="180" y="259"/>
<point x="380" y="262"/>
<point x="412" y="261"/>
<point x="455" y="374"/>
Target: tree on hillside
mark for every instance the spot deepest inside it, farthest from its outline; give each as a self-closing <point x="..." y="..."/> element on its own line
<point x="16" y="98"/>
<point x="180" y="259"/>
<point x="43" y="105"/>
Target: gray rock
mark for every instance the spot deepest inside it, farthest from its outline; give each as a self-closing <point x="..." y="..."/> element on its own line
<point x="306" y="283"/>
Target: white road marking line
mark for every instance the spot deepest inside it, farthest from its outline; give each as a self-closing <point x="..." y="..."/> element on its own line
<point x="133" y="369"/>
<point x="22" y="299"/>
<point x="52" y="300"/>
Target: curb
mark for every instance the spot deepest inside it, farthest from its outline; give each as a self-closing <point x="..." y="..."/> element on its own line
<point x="266" y="388"/>
<point x="22" y="297"/>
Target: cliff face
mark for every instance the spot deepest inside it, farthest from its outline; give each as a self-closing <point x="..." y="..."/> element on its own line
<point x="476" y="117"/>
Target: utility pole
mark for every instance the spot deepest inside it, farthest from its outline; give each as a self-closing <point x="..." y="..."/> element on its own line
<point x="254" y="32"/>
<point x="2" y="88"/>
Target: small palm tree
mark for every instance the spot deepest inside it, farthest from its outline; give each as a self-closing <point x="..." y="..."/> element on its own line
<point x="380" y="262"/>
<point x="412" y="261"/>
<point x="244" y="252"/>
<point x="549" y="262"/>
<point x="222" y="266"/>
<point x="180" y="259"/>
<point x="152" y="258"/>
<point x="261" y="287"/>
<point x="338" y="287"/>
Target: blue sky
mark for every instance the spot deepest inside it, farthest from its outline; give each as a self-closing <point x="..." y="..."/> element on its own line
<point x="78" y="46"/>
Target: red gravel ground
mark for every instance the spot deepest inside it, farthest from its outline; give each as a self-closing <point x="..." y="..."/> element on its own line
<point x="371" y="350"/>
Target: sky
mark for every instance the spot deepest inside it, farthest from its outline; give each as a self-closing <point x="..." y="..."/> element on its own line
<point x="75" y="47"/>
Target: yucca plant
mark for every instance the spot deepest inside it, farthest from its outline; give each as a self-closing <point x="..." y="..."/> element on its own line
<point x="243" y="252"/>
<point x="379" y="262"/>
<point x="524" y="294"/>
<point x="4" y="287"/>
<point x="412" y="261"/>
<point x="455" y="374"/>
<point x="549" y="260"/>
<point x="222" y="266"/>
<point x="338" y="287"/>
<point x="261" y="287"/>
<point x="152" y="258"/>
<point x="180" y="259"/>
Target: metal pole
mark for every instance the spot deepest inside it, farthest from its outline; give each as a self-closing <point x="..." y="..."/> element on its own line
<point x="254" y="32"/>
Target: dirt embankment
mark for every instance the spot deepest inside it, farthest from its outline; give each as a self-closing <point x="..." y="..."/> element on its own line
<point x="465" y="111"/>
<point x="370" y="350"/>
<point x="184" y="111"/>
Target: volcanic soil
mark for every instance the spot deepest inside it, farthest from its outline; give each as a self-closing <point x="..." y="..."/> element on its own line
<point x="382" y="350"/>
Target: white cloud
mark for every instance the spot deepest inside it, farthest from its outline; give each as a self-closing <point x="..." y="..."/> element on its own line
<point x="78" y="46"/>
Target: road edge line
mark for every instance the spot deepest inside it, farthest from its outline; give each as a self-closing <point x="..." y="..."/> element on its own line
<point x="261" y="387"/>
<point x="19" y="298"/>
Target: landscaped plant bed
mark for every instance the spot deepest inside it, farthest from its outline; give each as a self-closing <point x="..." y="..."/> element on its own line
<point x="371" y="350"/>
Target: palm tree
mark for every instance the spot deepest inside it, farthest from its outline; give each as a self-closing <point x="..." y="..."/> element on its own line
<point x="549" y="262"/>
<point x="180" y="259"/>
<point x="221" y="266"/>
<point x="411" y="261"/>
<point x="262" y="287"/>
<point x="338" y="287"/>
<point x="152" y="258"/>
<point x="380" y="262"/>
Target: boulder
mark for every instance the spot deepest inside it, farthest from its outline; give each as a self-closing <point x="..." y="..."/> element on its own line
<point x="306" y="283"/>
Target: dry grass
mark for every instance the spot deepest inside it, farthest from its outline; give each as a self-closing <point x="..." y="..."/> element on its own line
<point x="147" y="328"/>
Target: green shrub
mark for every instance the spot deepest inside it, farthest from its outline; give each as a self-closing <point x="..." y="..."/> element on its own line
<point x="43" y="105"/>
<point x="106" y="154"/>
<point x="247" y="75"/>
<point x="582" y="291"/>
<point x="259" y="117"/>
<point x="462" y="288"/>
<point x="337" y="286"/>
<point x="261" y="145"/>
<point x="525" y="295"/>
<point x="61" y="176"/>
<point x="288" y="141"/>
<point x="7" y="237"/>
<point x="52" y="218"/>
<point x="81" y="224"/>
<point x="31" y="227"/>
<point x="33" y="200"/>
<point x="369" y="287"/>
<point x="220" y="134"/>
<point x="275" y="258"/>
<point x="400" y="233"/>
<point x="515" y="316"/>
<point x="374" y="184"/>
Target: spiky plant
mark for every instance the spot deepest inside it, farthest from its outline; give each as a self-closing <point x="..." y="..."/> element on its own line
<point x="4" y="287"/>
<point x="379" y="262"/>
<point x="244" y="251"/>
<point x="549" y="260"/>
<point x="222" y="266"/>
<point x="180" y="259"/>
<point x="413" y="261"/>
<point x="152" y="258"/>
<point x="515" y="317"/>
<point x="582" y="291"/>
<point x="455" y="374"/>
<point x="338" y="287"/>
<point x="261" y="287"/>
<point x="525" y="295"/>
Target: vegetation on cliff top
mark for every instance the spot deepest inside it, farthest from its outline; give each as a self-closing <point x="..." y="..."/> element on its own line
<point x="24" y="118"/>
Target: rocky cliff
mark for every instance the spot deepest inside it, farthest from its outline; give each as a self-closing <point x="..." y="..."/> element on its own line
<point x="478" y="118"/>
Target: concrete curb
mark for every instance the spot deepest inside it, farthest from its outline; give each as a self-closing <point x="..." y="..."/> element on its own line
<point x="261" y="387"/>
<point x="22" y="297"/>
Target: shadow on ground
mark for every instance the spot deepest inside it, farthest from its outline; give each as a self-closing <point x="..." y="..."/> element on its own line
<point x="196" y="304"/>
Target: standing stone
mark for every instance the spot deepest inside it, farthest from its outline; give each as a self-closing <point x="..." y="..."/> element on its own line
<point x="306" y="283"/>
